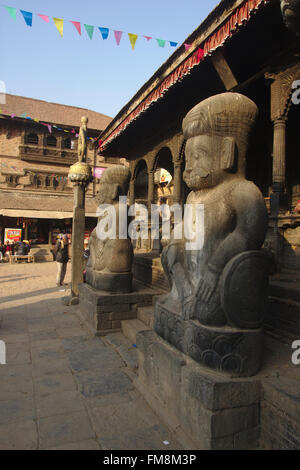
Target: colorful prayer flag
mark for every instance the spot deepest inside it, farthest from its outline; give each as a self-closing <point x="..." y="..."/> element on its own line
<point x="27" y="17"/>
<point x="90" y="30"/>
<point x="118" y="35"/>
<point x="148" y="38"/>
<point x="104" y="32"/>
<point x="12" y="11"/>
<point x="59" y="23"/>
<point x="44" y="17"/>
<point x="187" y="46"/>
<point x="132" y="39"/>
<point x="161" y="42"/>
<point x="77" y="26"/>
<point x="173" y="44"/>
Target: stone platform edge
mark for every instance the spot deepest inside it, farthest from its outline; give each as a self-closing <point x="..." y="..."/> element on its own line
<point x="206" y="410"/>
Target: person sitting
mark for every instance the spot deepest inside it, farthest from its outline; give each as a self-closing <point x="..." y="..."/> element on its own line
<point x="7" y="250"/>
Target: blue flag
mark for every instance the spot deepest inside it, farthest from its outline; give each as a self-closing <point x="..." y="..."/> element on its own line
<point x="104" y="32"/>
<point x="27" y="17"/>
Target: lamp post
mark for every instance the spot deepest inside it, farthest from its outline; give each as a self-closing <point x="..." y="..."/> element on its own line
<point x="80" y="174"/>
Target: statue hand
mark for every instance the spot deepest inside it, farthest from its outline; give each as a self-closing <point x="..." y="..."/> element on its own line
<point x="188" y="308"/>
<point x="207" y="286"/>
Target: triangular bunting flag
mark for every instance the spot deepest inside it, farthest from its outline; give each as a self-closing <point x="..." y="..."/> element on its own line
<point x="104" y="32"/>
<point x="77" y="26"/>
<point x="44" y="17"/>
<point x="59" y="23"/>
<point x="23" y="115"/>
<point x="161" y="42"/>
<point x="187" y="46"/>
<point x="173" y="44"/>
<point x="12" y="11"/>
<point x="132" y="39"/>
<point x="90" y="30"/>
<point x="118" y="35"/>
<point x="27" y="17"/>
<point x="148" y="38"/>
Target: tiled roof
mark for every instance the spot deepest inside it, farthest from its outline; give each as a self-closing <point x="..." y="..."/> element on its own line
<point x="39" y="202"/>
<point x="53" y="112"/>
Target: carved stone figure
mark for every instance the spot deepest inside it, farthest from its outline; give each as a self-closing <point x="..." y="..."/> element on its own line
<point x="218" y="291"/>
<point x="82" y="140"/>
<point x="291" y="14"/>
<point x="110" y="260"/>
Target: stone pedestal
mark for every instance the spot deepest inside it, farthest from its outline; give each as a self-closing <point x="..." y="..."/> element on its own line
<point x="104" y="311"/>
<point x="235" y="351"/>
<point x="110" y="282"/>
<point x="205" y="409"/>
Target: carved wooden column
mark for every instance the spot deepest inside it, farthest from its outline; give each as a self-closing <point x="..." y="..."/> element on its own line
<point x="278" y="199"/>
<point x="132" y="191"/>
<point x="177" y="182"/>
<point x="281" y="93"/>
<point x="150" y="188"/>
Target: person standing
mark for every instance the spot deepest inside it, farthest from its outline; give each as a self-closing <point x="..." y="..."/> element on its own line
<point x="62" y="258"/>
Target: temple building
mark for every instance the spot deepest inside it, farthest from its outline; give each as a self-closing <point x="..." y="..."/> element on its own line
<point x="38" y="143"/>
<point x="242" y="46"/>
<point x="250" y="47"/>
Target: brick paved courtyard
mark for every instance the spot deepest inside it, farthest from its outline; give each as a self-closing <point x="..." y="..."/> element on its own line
<point x="61" y="387"/>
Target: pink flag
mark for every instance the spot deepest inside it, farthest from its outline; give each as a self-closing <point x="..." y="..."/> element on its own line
<point x="118" y="35"/>
<point x="44" y="17"/>
<point x="148" y="38"/>
<point x="77" y="26"/>
<point x="187" y="46"/>
<point x="49" y="128"/>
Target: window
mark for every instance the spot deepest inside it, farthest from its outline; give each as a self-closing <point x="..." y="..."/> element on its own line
<point x="67" y="143"/>
<point x="51" y="141"/>
<point x="32" y="139"/>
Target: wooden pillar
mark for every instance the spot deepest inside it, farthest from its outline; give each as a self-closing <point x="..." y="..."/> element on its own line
<point x="150" y="188"/>
<point x="177" y="182"/>
<point x="132" y="192"/>
<point x="78" y="238"/>
<point x="278" y="200"/>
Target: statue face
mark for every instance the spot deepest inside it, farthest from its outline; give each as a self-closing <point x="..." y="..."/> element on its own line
<point x="199" y="153"/>
<point x="291" y="14"/>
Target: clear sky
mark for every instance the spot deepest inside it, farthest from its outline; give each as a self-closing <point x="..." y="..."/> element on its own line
<point x="95" y="74"/>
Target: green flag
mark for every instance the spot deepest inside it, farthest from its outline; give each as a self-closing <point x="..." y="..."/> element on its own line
<point x="90" y="30"/>
<point x="12" y="11"/>
<point x="161" y="42"/>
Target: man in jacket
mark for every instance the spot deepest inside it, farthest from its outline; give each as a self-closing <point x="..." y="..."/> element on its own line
<point x="62" y="257"/>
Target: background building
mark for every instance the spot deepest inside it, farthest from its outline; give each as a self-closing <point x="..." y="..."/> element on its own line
<point x="38" y="143"/>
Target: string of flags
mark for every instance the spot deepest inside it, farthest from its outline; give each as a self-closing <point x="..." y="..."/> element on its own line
<point x="53" y="175"/>
<point x="90" y="29"/>
<point x="50" y="127"/>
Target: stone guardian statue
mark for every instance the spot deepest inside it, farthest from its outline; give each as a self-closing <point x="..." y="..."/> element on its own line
<point x="215" y="308"/>
<point x="109" y="267"/>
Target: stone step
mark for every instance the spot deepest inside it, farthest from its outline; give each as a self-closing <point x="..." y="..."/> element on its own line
<point x="130" y="328"/>
<point x="289" y="290"/>
<point x="146" y="315"/>
<point x="280" y="414"/>
<point x="283" y="319"/>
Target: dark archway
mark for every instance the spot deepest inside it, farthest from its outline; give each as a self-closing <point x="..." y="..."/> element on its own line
<point x="141" y="183"/>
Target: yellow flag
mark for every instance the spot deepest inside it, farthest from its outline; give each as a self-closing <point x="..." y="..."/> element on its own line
<point x="59" y="23"/>
<point x="132" y="39"/>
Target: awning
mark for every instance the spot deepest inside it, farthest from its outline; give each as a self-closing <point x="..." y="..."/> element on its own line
<point x="31" y="214"/>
